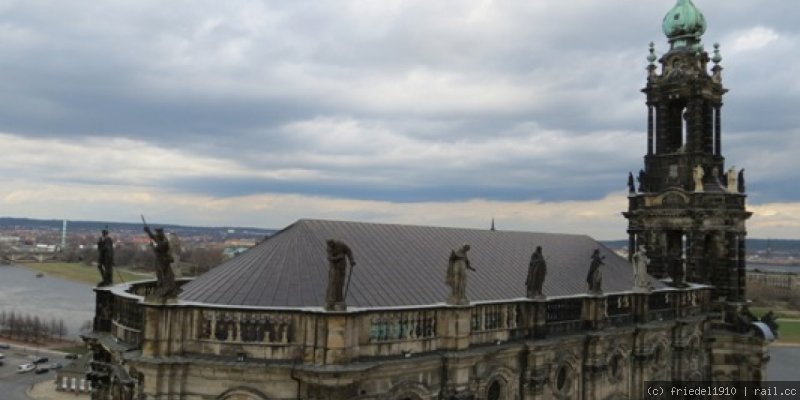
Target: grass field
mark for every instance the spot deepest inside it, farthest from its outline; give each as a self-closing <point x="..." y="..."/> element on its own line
<point x="82" y="273"/>
<point x="780" y="313"/>
<point x="789" y="331"/>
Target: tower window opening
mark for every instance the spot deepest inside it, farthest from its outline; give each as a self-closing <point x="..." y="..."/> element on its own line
<point x="684" y="130"/>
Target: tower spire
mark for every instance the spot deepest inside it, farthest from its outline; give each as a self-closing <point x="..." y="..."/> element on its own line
<point x="684" y="24"/>
<point x="689" y="218"/>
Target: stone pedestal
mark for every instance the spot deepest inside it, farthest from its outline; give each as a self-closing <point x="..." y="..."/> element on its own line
<point x="104" y="302"/>
<point x="454" y="328"/>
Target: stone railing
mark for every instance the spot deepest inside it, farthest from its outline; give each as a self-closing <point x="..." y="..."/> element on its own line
<point x="493" y="322"/>
<point x="146" y="288"/>
<point x="325" y="337"/>
<point x="402" y="326"/>
<point x="246" y="327"/>
<point x="386" y="333"/>
<point x="619" y="310"/>
<point x="275" y="335"/>
<point x="564" y="316"/>
<point x="127" y="320"/>
<point x="660" y="307"/>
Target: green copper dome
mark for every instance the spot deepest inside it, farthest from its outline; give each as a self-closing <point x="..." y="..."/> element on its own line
<point x="684" y="24"/>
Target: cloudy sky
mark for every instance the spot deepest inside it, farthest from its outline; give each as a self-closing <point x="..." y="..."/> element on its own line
<point x="446" y="112"/>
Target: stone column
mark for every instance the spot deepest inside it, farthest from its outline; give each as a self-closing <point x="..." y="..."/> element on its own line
<point x="717" y="131"/>
<point x="741" y="267"/>
<point x="537" y="313"/>
<point x="594" y="312"/>
<point x="104" y="309"/>
<point x="649" y="130"/>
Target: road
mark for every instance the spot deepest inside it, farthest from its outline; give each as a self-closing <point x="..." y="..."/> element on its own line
<point x="783" y="364"/>
<point x="14" y="385"/>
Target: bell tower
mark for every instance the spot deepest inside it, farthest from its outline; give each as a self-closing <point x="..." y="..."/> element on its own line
<point x="688" y="211"/>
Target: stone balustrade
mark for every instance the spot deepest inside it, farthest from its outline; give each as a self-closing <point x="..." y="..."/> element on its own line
<point x="323" y="337"/>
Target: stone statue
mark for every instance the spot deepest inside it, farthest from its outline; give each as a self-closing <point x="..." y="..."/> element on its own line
<point x="105" y="259"/>
<point x="741" y="181"/>
<point x="537" y="269"/>
<point x="595" y="277"/>
<point x="698" y="178"/>
<point x="339" y="254"/>
<point x="769" y="320"/>
<point x="457" y="275"/>
<point x="731" y="178"/>
<point x="640" y="262"/>
<point x="167" y="287"/>
<point x="631" y="187"/>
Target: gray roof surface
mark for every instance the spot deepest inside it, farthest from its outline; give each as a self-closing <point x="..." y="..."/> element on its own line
<point x="400" y="265"/>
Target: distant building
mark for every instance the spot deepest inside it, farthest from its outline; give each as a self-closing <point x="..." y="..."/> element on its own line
<point x="783" y="281"/>
<point x="72" y="378"/>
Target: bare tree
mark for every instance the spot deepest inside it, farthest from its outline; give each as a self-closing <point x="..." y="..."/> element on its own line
<point x="61" y="329"/>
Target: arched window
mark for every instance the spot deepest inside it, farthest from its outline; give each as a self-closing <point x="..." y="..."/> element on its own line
<point x="684" y="129"/>
<point x="495" y="391"/>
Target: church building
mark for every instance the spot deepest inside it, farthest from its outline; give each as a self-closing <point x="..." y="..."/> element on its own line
<point x="338" y="310"/>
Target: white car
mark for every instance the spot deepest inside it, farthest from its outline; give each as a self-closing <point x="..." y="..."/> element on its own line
<point x="25" y="368"/>
<point x="2" y="356"/>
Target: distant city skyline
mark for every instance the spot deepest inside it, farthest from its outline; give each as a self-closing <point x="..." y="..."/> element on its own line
<point x="451" y="113"/>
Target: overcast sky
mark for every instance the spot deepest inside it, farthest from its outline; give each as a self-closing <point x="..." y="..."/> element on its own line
<point x="259" y="113"/>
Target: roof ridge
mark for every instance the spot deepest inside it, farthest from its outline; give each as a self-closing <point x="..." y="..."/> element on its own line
<point x="306" y="221"/>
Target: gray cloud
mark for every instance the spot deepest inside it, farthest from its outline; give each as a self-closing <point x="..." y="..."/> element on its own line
<point x="398" y="100"/>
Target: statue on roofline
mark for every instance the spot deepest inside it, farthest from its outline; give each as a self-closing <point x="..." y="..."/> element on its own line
<point x="537" y="269"/>
<point x="457" y="275"/>
<point x="105" y="259"/>
<point x="338" y="256"/>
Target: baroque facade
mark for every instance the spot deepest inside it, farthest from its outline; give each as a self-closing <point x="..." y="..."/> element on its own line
<point x="258" y="326"/>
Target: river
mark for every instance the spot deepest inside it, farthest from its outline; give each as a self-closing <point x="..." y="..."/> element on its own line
<point x="47" y="297"/>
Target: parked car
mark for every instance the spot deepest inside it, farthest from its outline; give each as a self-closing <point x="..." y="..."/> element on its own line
<point x="2" y="356"/>
<point x="25" y="368"/>
<point x="71" y="356"/>
<point x="39" y="359"/>
<point x="5" y="346"/>
<point x="42" y="370"/>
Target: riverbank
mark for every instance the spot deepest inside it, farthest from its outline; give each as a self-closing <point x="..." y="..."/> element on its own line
<point x="51" y="346"/>
<point x="78" y="272"/>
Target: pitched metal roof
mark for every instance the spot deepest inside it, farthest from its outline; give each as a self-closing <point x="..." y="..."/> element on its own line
<point x="400" y="265"/>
